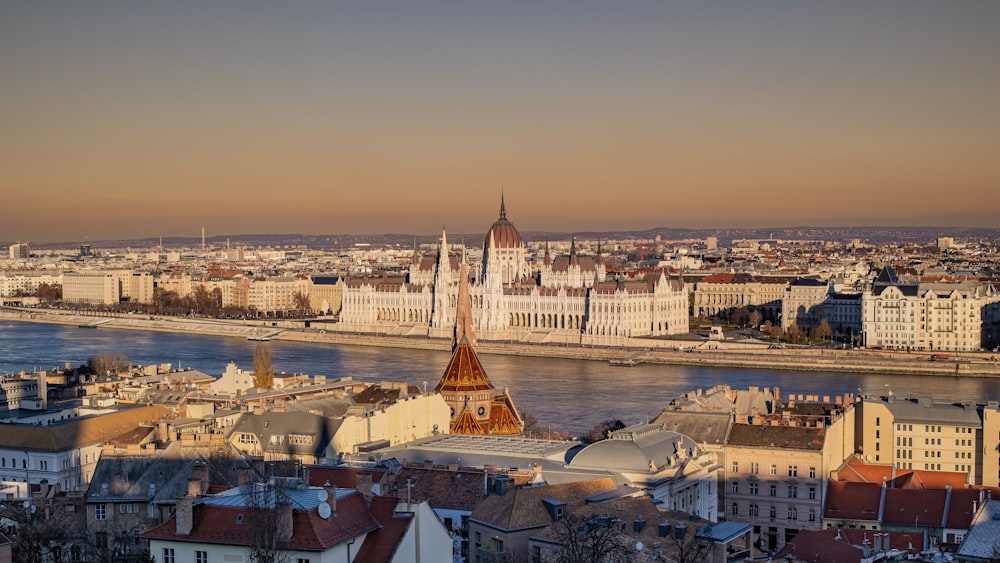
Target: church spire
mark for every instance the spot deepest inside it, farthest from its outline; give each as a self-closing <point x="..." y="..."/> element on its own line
<point x="503" y="208"/>
<point x="463" y="316"/>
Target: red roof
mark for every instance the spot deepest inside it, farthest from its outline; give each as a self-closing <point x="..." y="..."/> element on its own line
<point x="218" y="525"/>
<point x="382" y="544"/>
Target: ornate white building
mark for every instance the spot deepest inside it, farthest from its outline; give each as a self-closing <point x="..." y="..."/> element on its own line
<point x="567" y="300"/>
<point x="925" y="316"/>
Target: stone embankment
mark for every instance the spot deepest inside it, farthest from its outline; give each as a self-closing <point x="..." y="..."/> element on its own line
<point x="640" y="351"/>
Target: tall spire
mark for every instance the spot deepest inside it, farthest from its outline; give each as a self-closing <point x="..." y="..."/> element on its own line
<point x="503" y="208"/>
<point x="463" y="316"/>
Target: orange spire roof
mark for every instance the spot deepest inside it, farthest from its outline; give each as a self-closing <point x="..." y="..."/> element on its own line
<point x="464" y="371"/>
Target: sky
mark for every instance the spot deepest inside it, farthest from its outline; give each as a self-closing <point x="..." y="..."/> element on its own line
<point x="145" y="119"/>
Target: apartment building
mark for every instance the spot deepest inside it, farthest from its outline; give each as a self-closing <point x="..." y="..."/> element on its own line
<point x="920" y="434"/>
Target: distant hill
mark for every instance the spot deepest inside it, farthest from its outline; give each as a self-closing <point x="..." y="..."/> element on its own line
<point x="875" y="235"/>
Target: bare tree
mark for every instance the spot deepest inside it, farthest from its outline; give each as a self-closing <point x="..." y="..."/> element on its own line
<point x="755" y="318"/>
<point x="266" y="544"/>
<point x="590" y="539"/>
<point x="263" y="374"/>
<point x="106" y="363"/>
<point x="302" y="305"/>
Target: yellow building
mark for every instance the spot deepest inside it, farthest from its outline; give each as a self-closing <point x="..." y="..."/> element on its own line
<point x="920" y="434"/>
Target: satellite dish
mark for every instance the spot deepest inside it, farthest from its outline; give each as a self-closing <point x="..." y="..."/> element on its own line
<point x="638" y="546"/>
<point x="322" y="495"/>
<point x="324" y="511"/>
<point x="868" y="458"/>
<point x="26" y="503"/>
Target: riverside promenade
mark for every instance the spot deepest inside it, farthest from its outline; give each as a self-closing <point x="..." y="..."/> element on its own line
<point x="733" y="354"/>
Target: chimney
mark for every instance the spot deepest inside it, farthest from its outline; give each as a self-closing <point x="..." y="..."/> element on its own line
<point x="194" y="487"/>
<point x="664" y="529"/>
<point x="199" y="471"/>
<point x="638" y="525"/>
<point x="284" y="524"/>
<point x="183" y="515"/>
<point x="363" y="483"/>
<point x="244" y="475"/>
<point x="331" y="496"/>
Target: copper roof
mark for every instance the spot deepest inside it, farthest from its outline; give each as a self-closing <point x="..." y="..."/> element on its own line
<point x="504" y="233"/>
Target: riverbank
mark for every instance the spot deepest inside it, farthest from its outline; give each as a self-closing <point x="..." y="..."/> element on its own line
<point x="691" y="353"/>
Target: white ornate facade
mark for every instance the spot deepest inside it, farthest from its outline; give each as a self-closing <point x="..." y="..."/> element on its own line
<point x="573" y="303"/>
<point x="924" y="316"/>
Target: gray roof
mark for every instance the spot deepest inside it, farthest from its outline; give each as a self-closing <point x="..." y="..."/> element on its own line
<point x="160" y="477"/>
<point x="301" y="496"/>
<point x="633" y="448"/>
<point x="702" y="427"/>
<point x="926" y="411"/>
<point x="282" y="424"/>
<point x="983" y="539"/>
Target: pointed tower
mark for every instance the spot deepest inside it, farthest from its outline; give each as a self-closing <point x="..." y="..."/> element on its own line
<point x="466" y="387"/>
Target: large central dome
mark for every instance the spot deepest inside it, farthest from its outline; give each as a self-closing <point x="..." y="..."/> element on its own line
<point x="504" y="233"/>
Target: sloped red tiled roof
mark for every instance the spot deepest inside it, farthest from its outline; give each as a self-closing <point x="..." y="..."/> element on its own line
<point x="852" y="501"/>
<point x="381" y="545"/>
<point x="217" y="525"/>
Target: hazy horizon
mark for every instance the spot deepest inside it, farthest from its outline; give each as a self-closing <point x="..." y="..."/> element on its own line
<point x="126" y="121"/>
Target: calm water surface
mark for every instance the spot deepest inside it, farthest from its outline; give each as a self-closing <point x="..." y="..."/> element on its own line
<point x="571" y="395"/>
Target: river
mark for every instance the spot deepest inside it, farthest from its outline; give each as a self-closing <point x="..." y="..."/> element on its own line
<point x="571" y="395"/>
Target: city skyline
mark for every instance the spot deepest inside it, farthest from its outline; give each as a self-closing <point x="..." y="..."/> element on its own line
<point x="136" y="121"/>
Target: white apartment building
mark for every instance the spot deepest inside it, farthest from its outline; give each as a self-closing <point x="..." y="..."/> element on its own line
<point x="91" y="288"/>
<point x="14" y="283"/>
<point x="923" y="316"/>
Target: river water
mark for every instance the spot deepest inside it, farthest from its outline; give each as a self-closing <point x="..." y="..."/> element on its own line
<point x="571" y="395"/>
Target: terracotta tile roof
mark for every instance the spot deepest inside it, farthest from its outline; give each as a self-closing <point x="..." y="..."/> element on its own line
<point x="523" y="508"/>
<point x="905" y="507"/>
<point x="214" y="524"/>
<point x="856" y="470"/>
<point x="853" y="501"/>
<point x="456" y="490"/>
<point x="381" y="545"/>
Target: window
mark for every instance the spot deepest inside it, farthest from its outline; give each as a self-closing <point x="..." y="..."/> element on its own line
<point x="753" y="488"/>
<point x="753" y="510"/>
<point x="773" y="513"/>
<point x="774" y="490"/>
<point x="793" y="470"/>
<point x="736" y="487"/>
<point x="201" y="557"/>
<point x="100" y="511"/>
<point x="812" y="493"/>
<point x="774" y="469"/>
<point x="793" y="513"/>
<point x="735" y="509"/>
<point x="877" y="421"/>
<point x="736" y="467"/>
<point x="812" y="515"/>
<point x="496" y="545"/>
<point x="793" y="491"/>
<point x="754" y="468"/>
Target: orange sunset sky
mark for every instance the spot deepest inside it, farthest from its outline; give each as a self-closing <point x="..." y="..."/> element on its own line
<point x="142" y="119"/>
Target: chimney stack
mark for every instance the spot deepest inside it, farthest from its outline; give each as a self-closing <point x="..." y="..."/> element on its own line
<point x="364" y="485"/>
<point x="194" y="487"/>
<point x="183" y="515"/>
<point x="331" y="496"/>
<point x="284" y="531"/>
